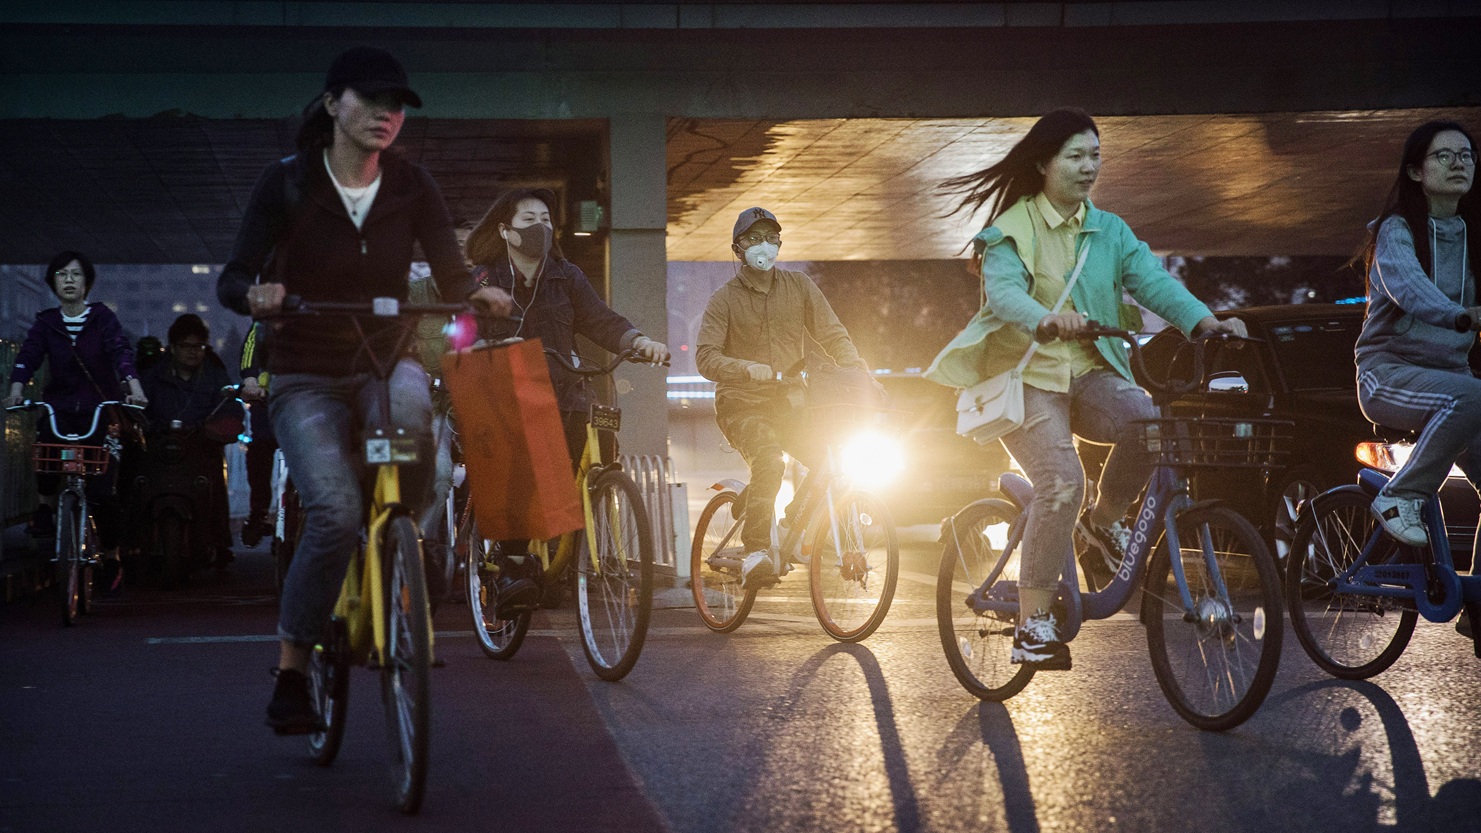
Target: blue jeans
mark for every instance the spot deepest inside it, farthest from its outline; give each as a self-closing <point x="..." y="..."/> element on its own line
<point x="1099" y="407"/>
<point x="319" y="422"/>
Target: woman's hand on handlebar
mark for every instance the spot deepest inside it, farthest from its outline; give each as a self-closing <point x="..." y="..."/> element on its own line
<point x="1064" y="325"/>
<point x="136" y="394"/>
<point x="1228" y="326"/>
<point x="646" y="349"/>
<point x="491" y="300"/>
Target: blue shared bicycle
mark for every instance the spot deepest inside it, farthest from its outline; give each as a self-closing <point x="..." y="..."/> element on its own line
<point x="1355" y="594"/>
<point x="1211" y="600"/>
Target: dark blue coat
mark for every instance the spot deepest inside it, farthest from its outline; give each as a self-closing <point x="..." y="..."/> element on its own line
<point x="84" y="374"/>
<point x="189" y="400"/>
<point x="562" y="305"/>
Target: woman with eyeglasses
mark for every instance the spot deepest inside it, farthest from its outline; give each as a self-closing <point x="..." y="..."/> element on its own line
<point x="89" y="361"/>
<point x="1413" y="372"/>
<point x="513" y="248"/>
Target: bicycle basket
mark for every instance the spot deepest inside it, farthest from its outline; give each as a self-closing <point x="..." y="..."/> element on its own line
<point x="1201" y="443"/>
<point x="63" y="458"/>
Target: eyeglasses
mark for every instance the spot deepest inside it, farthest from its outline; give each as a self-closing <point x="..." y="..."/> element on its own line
<point x="756" y="238"/>
<point x="1446" y="158"/>
<point x="191" y="346"/>
<point x="69" y="273"/>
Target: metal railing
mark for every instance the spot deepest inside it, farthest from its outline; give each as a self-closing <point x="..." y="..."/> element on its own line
<point x="17" y="481"/>
<point x="661" y="494"/>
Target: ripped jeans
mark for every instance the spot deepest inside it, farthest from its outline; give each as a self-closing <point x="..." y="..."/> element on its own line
<point x="1099" y="408"/>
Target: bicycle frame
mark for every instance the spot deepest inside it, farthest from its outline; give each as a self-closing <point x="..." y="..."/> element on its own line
<point x="553" y="565"/>
<point x="1407" y="581"/>
<point x="363" y="594"/>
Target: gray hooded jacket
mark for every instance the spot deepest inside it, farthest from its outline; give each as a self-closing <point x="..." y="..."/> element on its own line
<point x="1412" y="315"/>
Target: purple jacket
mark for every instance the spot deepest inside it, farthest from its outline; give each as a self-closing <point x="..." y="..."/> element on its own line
<point x="103" y="351"/>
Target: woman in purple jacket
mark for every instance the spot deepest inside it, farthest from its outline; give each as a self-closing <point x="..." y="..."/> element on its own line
<point x="88" y="354"/>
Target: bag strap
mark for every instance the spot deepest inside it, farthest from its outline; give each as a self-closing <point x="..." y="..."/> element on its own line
<point x="1058" y="305"/>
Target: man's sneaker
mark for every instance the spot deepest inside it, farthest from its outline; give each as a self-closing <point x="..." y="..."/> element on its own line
<point x="254" y="529"/>
<point x="291" y="712"/>
<point x="757" y="570"/>
<point x="1400" y="518"/>
<point x="1105" y="551"/>
<point x="1036" y="643"/>
<point x="1463" y="626"/>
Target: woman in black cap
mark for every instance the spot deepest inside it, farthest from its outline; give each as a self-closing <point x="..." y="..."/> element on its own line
<point x="339" y="221"/>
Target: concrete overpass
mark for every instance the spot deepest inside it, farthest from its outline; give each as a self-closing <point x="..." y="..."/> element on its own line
<point x="133" y="130"/>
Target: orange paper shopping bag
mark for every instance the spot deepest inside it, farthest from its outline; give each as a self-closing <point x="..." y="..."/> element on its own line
<point x="514" y="445"/>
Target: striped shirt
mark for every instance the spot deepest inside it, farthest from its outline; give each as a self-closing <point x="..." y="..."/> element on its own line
<point x="74" y="324"/>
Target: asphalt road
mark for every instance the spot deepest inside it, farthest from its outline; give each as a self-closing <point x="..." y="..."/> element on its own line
<point x="148" y="717"/>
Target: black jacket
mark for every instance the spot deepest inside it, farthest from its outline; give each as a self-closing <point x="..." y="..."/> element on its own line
<point x="296" y="218"/>
<point x="562" y="305"/>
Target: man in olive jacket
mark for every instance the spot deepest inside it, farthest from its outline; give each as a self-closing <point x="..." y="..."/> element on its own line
<point x="755" y="329"/>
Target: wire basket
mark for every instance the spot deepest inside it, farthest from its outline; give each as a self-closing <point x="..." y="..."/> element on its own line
<point x="61" y="458"/>
<point x="1204" y="443"/>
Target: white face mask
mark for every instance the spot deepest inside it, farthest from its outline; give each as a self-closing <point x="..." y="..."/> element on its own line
<point x="762" y="255"/>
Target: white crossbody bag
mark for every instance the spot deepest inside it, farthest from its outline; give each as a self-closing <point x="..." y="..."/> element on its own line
<point x="992" y="408"/>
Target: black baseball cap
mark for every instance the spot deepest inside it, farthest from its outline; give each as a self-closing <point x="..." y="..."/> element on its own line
<point x="750" y="217"/>
<point x="372" y="71"/>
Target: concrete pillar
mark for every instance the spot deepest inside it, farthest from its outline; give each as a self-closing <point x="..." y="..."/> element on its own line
<point x="638" y="269"/>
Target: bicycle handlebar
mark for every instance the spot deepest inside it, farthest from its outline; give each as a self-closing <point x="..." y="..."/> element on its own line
<point x="1175" y="387"/>
<point x="380" y="307"/>
<point x="601" y="370"/>
<point x="52" y="415"/>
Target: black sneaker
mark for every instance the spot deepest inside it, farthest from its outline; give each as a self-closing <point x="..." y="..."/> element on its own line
<point x="291" y="711"/>
<point x="1036" y="644"/>
<point x="254" y="530"/>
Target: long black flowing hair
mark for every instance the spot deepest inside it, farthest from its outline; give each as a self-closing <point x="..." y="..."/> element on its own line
<point x="1017" y="175"/>
<point x="1406" y="199"/>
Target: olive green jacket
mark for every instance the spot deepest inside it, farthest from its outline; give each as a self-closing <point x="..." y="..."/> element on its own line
<point x="995" y="340"/>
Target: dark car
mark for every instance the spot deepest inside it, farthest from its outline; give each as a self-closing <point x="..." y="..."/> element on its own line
<point x="1301" y="370"/>
<point x="943" y="471"/>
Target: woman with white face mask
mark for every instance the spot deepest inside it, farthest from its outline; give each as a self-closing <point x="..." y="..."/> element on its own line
<point x="514" y="249"/>
<point x="755" y="327"/>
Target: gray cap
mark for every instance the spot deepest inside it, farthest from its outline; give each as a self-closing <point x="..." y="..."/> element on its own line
<point x="750" y="217"/>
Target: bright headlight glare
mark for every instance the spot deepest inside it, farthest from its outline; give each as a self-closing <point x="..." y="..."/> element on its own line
<point x="872" y="459"/>
<point x="1390" y="457"/>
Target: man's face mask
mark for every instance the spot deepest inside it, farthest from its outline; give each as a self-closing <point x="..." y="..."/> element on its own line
<point x="762" y="255"/>
<point x="534" y="240"/>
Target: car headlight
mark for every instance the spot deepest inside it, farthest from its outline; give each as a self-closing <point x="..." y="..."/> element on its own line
<point x="871" y="459"/>
<point x="1390" y="457"/>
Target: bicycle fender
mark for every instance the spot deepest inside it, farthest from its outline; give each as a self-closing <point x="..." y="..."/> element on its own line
<point x="176" y="505"/>
<point x="948" y="524"/>
<point x="1318" y="501"/>
<point x="729" y="483"/>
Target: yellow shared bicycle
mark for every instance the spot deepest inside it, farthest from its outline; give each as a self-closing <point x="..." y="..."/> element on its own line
<point x="612" y="557"/>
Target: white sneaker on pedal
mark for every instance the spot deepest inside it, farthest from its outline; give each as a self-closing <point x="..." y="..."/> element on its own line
<point x="1400" y="518"/>
<point x="757" y="571"/>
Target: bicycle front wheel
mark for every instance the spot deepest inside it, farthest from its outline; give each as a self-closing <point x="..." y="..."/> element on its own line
<point x="980" y="564"/>
<point x="854" y="566"/>
<point x="614" y="589"/>
<point x="1215" y="660"/>
<point x="499" y="638"/>
<point x="1348" y="635"/>
<point x="91" y="550"/>
<point x="329" y="688"/>
<point x="714" y="566"/>
<point x="406" y="667"/>
<point x="69" y="555"/>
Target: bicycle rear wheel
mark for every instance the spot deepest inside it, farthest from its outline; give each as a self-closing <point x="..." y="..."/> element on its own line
<point x="716" y="582"/>
<point x="69" y="555"/>
<point x="1348" y="635"/>
<point x="329" y="688"/>
<point x="614" y="590"/>
<point x="406" y="667"/>
<point x="1214" y="662"/>
<point x="980" y="559"/>
<point x="854" y="566"/>
<point x="499" y="638"/>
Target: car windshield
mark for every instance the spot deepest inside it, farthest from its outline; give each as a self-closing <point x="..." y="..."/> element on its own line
<point x="1316" y="353"/>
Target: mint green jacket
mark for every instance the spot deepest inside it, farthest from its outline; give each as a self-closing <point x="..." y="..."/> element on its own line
<point x="995" y="340"/>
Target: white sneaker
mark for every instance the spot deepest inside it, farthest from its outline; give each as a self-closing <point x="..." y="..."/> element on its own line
<point x="757" y="570"/>
<point x="1400" y="518"/>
